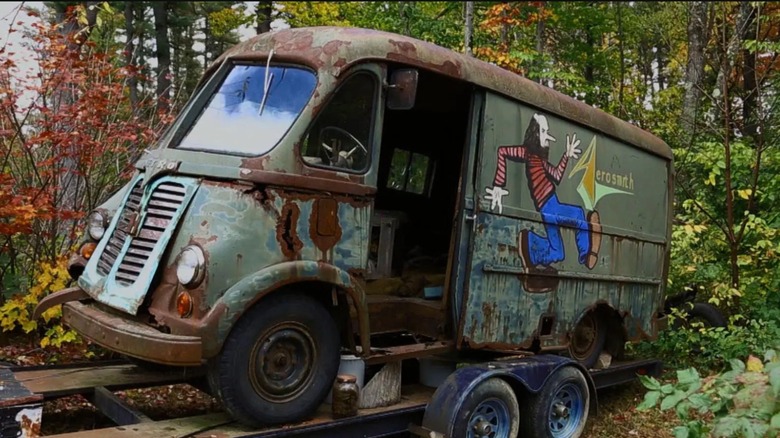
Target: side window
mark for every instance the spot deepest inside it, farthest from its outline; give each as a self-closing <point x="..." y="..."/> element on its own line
<point x="409" y="172"/>
<point x="341" y="135"/>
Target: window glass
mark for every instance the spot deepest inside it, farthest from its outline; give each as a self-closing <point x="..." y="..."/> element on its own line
<point x="408" y="172"/>
<point x="341" y="135"/>
<point x="251" y="110"/>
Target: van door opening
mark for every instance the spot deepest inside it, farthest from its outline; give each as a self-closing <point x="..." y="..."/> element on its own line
<point x="415" y="208"/>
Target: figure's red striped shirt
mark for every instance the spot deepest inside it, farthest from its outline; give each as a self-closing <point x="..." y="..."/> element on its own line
<point x="542" y="176"/>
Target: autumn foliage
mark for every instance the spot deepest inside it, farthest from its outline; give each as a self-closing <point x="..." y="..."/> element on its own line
<point x="68" y="138"/>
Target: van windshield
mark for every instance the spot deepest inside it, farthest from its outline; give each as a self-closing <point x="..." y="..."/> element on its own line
<point x="251" y="110"/>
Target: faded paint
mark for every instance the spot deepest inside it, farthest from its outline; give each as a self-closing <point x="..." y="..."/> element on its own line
<point x="269" y="221"/>
<point x="142" y="226"/>
<point x="514" y="282"/>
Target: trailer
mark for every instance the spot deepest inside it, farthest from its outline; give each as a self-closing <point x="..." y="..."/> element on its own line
<point x="420" y="411"/>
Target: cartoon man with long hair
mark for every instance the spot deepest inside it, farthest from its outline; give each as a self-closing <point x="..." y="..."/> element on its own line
<point x="538" y="251"/>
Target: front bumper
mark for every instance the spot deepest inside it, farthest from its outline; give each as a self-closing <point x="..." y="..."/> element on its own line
<point x="131" y="337"/>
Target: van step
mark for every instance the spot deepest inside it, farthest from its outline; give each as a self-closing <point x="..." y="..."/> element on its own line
<point x="384" y="355"/>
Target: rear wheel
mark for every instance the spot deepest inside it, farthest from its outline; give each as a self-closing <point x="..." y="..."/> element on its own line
<point x="588" y="340"/>
<point x="560" y="409"/>
<point x="279" y="361"/>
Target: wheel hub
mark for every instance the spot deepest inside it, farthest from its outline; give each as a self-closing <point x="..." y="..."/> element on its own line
<point x="483" y="428"/>
<point x="280" y="362"/>
<point x="584" y="336"/>
<point x="560" y="410"/>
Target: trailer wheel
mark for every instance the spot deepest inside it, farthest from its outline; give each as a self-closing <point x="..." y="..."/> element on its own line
<point x="489" y="410"/>
<point x="279" y="361"/>
<point x="560" y="409"/>
<point x="588" y="340"/>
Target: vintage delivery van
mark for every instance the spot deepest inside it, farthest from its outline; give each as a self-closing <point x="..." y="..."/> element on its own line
<point x="325" y="187"/>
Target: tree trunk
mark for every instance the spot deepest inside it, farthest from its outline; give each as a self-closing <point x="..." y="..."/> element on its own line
<point x="263" y="12"/>
<point x="622" y="112"/>
<point x="469" y="30"/>
<point x="132" y="81"/>
<point x="749" y="82"/>
<point x="694" y="69"/>
<point x="160" y="10"/>
<point x="541" y="36"/>
<point x="732" y="48"/>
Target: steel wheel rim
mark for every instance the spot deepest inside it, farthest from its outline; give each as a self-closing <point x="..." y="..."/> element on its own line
<point x="566" y="411"/>
<point x="584" y="338"/>
<point x="280" y="362"/>
<point x="490" y="420"/>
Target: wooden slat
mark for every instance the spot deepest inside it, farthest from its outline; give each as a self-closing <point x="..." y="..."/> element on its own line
<point x="58" y="382"/>
<point x="220" y="425"/>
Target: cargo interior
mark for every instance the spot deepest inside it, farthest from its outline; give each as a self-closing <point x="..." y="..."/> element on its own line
<point x="415" y="208"/>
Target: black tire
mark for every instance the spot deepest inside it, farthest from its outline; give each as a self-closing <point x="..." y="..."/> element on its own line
<point x="706" y="313"/>
<point x="588" y="340"/>
<point x="491" y="404"/>
<point x="560" y="409"/>
<point x="291" y="345"/>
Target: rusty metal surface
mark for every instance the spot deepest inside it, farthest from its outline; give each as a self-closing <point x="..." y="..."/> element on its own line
<point x="335" y="49"/>
<point x="136" y="240"/>
<point x="515" y="281"/>
<point x="132" y="338"/>
<point x="256" y="241"/>
<point x="57" y="298"/>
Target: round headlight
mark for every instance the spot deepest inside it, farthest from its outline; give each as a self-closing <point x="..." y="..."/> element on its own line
<point x="190" y="267"/>
<point x="96" y="225"/>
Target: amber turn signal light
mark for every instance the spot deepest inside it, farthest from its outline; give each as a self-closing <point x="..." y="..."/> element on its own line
<point x="87" y="250"/>
<point x="184" y="304"/>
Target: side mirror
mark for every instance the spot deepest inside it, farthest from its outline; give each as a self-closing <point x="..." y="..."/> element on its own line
<point x="402" y="90"/>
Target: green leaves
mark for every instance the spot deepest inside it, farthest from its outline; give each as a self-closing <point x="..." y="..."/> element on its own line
<point x="741" y="402"/>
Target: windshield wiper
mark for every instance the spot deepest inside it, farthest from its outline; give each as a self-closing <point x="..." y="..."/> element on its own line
<point x="267" y="82"/>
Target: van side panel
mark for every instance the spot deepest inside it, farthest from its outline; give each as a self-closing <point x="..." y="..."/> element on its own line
<point x="537" y="250"/>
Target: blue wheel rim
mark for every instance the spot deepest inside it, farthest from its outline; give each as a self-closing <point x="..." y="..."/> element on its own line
<point x="566" y="411"/>
<point x="490" y="419"/>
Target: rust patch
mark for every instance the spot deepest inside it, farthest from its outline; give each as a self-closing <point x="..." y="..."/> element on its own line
<point x="404" y="47"/>
<point x="286" y="233"/>
<point x="332" y="47"/>
<point x="324" y="227"/>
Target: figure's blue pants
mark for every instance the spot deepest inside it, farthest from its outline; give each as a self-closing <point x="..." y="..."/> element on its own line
<point x="545" y="250"/>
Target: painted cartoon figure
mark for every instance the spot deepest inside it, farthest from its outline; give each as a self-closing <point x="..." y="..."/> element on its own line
<point x="538" y="252"/>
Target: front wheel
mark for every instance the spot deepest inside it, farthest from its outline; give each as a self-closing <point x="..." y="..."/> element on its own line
<point x="279" y="361"/>
<point x="560" y="409"/>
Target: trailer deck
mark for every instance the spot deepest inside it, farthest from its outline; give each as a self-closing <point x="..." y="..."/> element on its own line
<point x="24" y="389"/>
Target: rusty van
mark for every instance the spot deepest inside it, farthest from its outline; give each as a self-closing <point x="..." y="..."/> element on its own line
<point x="337" y="190"/>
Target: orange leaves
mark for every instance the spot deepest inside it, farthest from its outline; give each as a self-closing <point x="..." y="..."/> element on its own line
<point x="68" y="134"/>
<point x="514" y="14"/>
<point x="499" y="57"/>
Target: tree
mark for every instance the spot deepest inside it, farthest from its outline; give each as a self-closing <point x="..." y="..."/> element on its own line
<point x="163" y="55"/>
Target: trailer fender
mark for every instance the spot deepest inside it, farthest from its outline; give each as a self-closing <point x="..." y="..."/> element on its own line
<point x="525" y="375"/>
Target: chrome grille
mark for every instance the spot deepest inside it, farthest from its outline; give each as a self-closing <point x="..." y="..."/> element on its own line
<point x="160" y="210"/>
<point x="117" y="240"/>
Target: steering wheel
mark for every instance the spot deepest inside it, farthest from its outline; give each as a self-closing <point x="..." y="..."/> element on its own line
<point x="340" y="152"/>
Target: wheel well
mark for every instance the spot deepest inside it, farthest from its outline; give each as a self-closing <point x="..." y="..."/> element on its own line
<point x="616" y="331"/>
<point x="323" y="293"/>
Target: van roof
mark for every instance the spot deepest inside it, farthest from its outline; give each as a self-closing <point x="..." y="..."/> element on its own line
<point x="337" y="48"/>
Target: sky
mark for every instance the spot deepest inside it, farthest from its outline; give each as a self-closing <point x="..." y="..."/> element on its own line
<point x="9" y="17"/>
